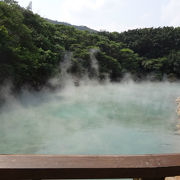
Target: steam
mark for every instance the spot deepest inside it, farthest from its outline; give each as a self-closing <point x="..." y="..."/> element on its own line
<point x="94" y="62"/>
<point x="66" y="78"/>
<point x="84" y="116"/>
<point x="93" y="118"/>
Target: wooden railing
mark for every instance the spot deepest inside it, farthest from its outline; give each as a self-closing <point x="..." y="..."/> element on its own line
<point x="146" y="167"/>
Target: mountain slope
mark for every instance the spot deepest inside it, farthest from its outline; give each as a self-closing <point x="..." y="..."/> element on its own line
<point x="83" y="28"/>
<point x="32" y="51"/>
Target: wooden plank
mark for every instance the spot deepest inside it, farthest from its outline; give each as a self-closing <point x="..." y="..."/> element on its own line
<point x="88" y="166"/>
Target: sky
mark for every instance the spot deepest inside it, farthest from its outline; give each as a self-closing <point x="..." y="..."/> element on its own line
<point x="109" y="15"/>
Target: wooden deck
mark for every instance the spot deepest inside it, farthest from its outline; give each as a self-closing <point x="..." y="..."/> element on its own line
<point x="89" y="166"/>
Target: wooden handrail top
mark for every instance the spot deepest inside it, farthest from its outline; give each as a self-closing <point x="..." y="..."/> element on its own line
<point x="89" y="166"/>
<point x="89" y="161"/>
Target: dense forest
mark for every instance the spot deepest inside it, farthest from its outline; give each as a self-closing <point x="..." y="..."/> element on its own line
<point x="32" y="49"/>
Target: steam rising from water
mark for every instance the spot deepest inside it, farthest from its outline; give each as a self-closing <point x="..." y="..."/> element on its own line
<point x="125" y="118"/>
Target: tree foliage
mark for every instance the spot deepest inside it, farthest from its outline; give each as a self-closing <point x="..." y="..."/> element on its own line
<point x="31" y="50"/>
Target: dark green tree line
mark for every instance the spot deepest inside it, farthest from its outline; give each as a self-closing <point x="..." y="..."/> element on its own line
<point x="31" y="50"/>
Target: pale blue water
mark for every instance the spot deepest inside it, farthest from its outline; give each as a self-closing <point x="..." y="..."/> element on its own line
<point x="123" y="118"/>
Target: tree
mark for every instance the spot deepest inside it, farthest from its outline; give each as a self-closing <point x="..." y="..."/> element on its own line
<point x="29" y="7"/>
<point x="10" y="1"/>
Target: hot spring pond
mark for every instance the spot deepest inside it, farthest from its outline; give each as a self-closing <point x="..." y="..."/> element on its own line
<point x="126" y="118"/>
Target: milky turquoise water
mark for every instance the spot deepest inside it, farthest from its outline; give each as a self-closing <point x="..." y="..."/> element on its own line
<point x="124" y="118"/>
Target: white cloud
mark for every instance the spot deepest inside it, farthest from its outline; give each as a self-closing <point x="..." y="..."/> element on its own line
<point x="171" y="13"/>
<point x="97" y="14"/>
<point x="70" y="9"/>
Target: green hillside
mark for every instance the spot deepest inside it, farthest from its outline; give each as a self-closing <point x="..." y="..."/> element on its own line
<point x="32" y="49"/>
